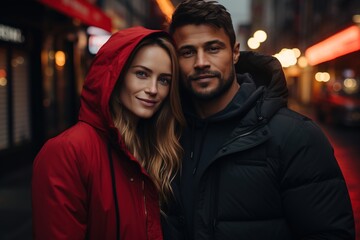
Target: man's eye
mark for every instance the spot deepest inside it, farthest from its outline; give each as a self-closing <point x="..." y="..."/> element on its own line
<point x="187" y="53"/>
<point x="164" y="81"/>
<point x="213" y="49"/>
<point x="141" y="74"/>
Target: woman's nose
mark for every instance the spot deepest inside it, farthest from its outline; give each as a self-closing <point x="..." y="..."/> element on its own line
<point x="152" y="87"/>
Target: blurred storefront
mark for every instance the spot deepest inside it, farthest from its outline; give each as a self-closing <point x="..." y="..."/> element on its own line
<point x="43" y="61"/>
<point x="14" y="85"/>
<point x="298" y="25"/>
<point x="46" y="47"/>
<point x="335" y="66"/>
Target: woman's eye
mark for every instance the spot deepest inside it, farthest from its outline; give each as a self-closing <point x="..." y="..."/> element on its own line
<point x="141" y="74"/>
<point x="164" y="81"/>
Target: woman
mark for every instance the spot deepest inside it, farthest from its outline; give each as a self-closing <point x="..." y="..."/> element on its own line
<point x="105" y="177"/>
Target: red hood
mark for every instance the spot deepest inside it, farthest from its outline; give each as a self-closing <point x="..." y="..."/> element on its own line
<point x="103" y="74"/>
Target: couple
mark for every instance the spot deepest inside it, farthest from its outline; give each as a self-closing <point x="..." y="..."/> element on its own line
<point x="243" y="166"/>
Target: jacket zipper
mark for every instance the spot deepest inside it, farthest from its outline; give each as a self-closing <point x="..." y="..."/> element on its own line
<point x="245" y="133"/>
<point x="145" y="209"/>
<point x="215" y="202"/>
<point x="215" y="183"/>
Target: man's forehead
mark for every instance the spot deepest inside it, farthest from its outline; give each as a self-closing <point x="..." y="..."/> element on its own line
<point x="198" y="34"/>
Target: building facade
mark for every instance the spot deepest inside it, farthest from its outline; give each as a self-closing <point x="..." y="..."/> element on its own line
<point x="44" y="57"/>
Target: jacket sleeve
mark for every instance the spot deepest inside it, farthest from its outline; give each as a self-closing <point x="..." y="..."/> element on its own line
<point x="314" y="192"/>
<point x="58" y="193"/>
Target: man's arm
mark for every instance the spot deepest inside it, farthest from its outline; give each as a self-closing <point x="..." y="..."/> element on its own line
<point x="314" y="192"/>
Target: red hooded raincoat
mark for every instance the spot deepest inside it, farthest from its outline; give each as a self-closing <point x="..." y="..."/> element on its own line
<point x="74" y="194"/>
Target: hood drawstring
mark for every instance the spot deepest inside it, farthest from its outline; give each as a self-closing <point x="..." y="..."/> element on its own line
<point x="113" y="183"/>
<point x="202" y="139"/>
<point x="258" y="106"/>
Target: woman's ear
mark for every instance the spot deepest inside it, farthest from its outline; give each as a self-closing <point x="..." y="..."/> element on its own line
<point x="236" y="52"/>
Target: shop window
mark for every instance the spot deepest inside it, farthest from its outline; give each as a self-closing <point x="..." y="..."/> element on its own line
<point x="14" y="99"/>
<point x="58" y="85"/>
<point x="20" y="98"/>
<point x="4" y="139"/>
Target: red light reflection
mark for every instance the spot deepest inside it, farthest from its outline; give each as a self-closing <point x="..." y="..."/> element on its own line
<point x="350" y="168"/>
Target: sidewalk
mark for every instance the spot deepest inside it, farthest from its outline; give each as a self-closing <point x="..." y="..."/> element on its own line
<point x="15" y="205"/>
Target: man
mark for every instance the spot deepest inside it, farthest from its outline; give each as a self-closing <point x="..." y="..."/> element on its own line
<point x="252" y="168"/>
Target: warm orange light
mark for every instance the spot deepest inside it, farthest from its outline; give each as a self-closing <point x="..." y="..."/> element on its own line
<point x="166" y="7"/>
<point x="2" y="73"/>
<point x="60" y="58"/>
<point x="342" y="43"/>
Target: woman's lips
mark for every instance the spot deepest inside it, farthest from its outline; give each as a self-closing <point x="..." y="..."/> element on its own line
<point x="148" y="102"/>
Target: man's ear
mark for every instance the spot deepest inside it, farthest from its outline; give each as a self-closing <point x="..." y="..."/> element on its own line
<point x="236" y="52"/>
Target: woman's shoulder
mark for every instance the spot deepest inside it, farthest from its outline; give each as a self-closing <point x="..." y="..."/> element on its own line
<point x="73" y="147"/>
<point x="74" y="141"/>
<point x="78" y="134"/>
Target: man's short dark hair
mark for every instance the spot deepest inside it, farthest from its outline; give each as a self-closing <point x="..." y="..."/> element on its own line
<point x="203" y="12"/>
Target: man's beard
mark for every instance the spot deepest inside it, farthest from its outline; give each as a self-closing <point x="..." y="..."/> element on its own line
<point x="222" y="88"/>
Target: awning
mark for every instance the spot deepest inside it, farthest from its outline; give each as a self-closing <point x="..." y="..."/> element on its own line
<point x="82" y="10"/>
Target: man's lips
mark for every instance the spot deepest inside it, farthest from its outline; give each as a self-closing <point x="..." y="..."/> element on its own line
<point x="199" y="77"/>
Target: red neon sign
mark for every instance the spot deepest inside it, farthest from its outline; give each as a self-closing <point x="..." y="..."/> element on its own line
<point x="82" y="10"/>
<point x="342" y="43"/>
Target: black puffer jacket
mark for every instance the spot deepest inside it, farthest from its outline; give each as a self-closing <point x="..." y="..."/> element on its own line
<point x="258" y="170"/>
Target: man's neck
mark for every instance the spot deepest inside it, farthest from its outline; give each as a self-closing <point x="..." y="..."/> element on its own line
<point x="207" y="108"/>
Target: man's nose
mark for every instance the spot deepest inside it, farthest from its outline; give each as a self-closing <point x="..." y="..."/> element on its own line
<point x="201" y="60"/>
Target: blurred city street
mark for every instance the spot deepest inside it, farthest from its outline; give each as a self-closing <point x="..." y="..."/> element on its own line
<point x="47" y="46"/>
<point x="15" y="195"/>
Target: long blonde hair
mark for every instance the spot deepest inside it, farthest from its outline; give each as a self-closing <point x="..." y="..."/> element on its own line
<point x="155" y="141"/>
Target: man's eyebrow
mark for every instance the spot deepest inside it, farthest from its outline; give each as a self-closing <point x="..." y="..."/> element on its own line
<point x="205" y="44"/>
<point x="215" y="42"/>
<point x="186" y="46"/>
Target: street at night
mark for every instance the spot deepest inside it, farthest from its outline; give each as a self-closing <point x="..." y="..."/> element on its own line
<point x="48" y="50"/>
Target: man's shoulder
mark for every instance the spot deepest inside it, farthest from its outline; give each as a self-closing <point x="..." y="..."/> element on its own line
<point x="286" y="112"/>
<point x="288" y="119"/>
<point x="287" y="122"/>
